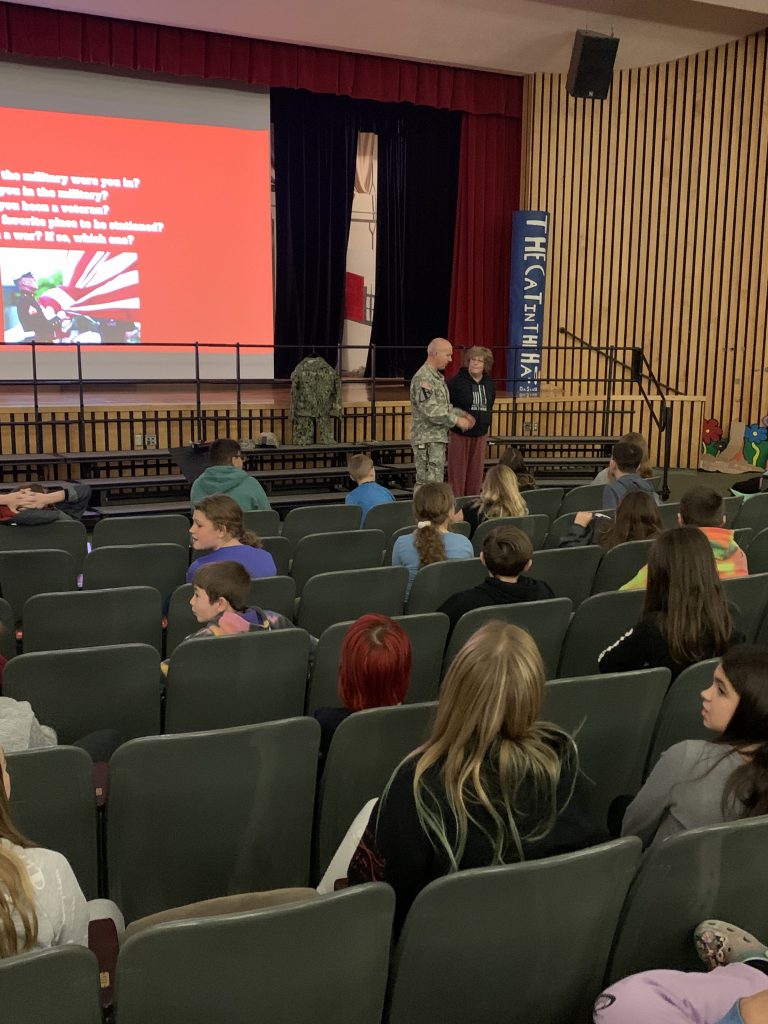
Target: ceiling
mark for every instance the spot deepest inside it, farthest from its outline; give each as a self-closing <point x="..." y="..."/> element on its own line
<point x="512" y="36"/>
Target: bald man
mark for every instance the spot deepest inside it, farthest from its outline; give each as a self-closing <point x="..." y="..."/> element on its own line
<point x="432" y="414"/>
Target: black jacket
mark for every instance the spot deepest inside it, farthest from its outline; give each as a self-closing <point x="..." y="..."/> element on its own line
<point x="495" y="591"/>
<point x="475" y="397"/>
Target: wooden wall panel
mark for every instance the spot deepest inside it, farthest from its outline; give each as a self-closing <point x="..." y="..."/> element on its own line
<point x="659" y="227"/>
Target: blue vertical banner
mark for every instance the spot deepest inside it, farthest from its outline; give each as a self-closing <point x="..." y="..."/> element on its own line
<point x="528" y="277"/>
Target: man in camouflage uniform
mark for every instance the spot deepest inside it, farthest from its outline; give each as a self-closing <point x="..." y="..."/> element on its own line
<point x="432" y="414"/>
<point x="315" y="401"/>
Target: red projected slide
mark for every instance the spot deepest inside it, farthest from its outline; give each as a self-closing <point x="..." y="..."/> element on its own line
<point x="119" y="231"/>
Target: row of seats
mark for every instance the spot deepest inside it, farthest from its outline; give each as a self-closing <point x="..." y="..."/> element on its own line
<point x="227" y="785"/>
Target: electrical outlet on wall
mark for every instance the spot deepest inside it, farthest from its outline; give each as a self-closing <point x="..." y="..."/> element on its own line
<point x="529" y="427"/>
<point x="138" y="440"/>
<point x="150" y="440"/>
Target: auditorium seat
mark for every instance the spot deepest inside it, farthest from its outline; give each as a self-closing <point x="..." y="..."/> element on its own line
<point x="668" y="513"/>
<point x="78" y="692"/>
<point x="281" y="550"/>
<point x="435" y="583"/>
<point x="587" y="498"/>
<point x="7" y="630"/>
<point x="65" y="535"/>
<point x="758" y="552"/>
<point x="596" y="624"/>
<point x="568" y="571"/>
<point x="748" y="598"/>
<point x="318" y="961"/>
<point x="753" y="512"/>
<point x="365" y="750"/>
<point x="163" y="529"/>
<point x="92" y="618"/>
<point x="535" y="527"/>
<point x="743" y="537"/>
<point x="394" y="515"/>
<point x="265" y="522"/>
<point x="560" y="528"/>
<point x="530" y="951"/>
<point x="620" y="564"/>
<point x="59" y="984"/>
<point x="427" y="634"/>
<point x="544" y="501"/>
<point x="39" y="571"/>
<point x="199" y="815"/>
<point x="720" y="871"/>
<point x="327" y="519"/>
<point x="316" y="553"/>
<point x="162" y="566"/>
<point x="680" y="713"/>
<point x="612" y="718"/>
<point x="339" y="596"/>
<point x="220" y="682"/>
<point x="546" y="621"/>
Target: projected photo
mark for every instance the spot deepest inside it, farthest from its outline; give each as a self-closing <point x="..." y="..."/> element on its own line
<point x="69" y="296"/>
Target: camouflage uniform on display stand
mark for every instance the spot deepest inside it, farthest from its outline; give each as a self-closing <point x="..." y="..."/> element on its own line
<point x="315" y="401"/>
<point x="432" y="416"/>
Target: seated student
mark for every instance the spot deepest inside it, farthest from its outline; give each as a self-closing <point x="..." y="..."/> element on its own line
<point x="32" y="504"/>
<point x="218" y="530"/>
<point x="493" y="784"/>
<point x="703" y="507"/>
<point x="219" y="602"/>
<point x="645" y="470"/>
<point x="507" y="552"/>
<point x="637" y="518"/>
<point x="697" y="782"/>
<point x="513" y="459"/>
<point x="226" y="475"/>
<point x="374" y="670"/>
<point x="368" y="493"/>
<point x="685" y="617"/>
<point x="431" y="541"/>
<point x="624" y="465"/>
<point x="499" y="497"/>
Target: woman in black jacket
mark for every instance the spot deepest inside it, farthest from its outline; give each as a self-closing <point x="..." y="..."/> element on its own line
<point x="473" y="391"/>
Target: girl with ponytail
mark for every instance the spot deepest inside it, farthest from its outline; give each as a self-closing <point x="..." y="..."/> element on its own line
<point x="431" y="541"/>
<point x="218" y="530"/>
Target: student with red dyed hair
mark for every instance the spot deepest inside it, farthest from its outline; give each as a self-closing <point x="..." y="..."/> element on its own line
<point x="374" y="670"/>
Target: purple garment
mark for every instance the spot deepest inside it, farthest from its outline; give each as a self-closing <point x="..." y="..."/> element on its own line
<point x="679" y="997"/>
<point x="257" y="561"/>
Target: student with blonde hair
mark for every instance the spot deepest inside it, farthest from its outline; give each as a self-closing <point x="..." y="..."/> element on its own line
<point x="499" y="497"/>
<point x="493" y="784"/>
<point x="367" y="494"/>
<point x="474" y="391"/>
<point x="431" y="541"/>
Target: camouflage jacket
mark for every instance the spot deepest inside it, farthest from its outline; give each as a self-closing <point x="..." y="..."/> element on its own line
<point x="315" y="389"/>
<point x="432" y="414"/>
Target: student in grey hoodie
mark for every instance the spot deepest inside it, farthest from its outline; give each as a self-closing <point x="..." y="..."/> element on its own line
<point x="624" y="464"/>
<point x="226" y="475"/>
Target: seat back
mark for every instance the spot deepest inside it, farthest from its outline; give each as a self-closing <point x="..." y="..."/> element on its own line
<point x="40" y="571"/>
<point x="275" y="593"/>
<point x="612" y="717"/>
<point x="758" y="552"/>
<point x="93" y="618"/>
<point x="748" y="598"/>
<point x="65" y="535"/>
<point x="220" y="682"/>
<point x="743" y="537"/>
<point x="588" y="498"/>
<point x="437" y="582"/>
<point x="668" y="513"/>
<point x="53" y="804"/>
<point x="535" y="526"/>
<point x="596" y="624"/>
<point x="281" y="550"/>
<point x="165" y="529"/>
<point x="162" y="566"/>
<point x="620" y="564"/>
<point x="427" y="634"/>
<point x="78" y="692"/>
<point x="339" y="596"/>
<point x="394" y="515"/>
<point x="500" y="979"/>
<point x="208" y="814"/>
<point x="330" y="552"/>
<point x="320" y="519"/>
<point x="750" y="512"/>
<point x="568" y="571"/>
<point x="365" y="750"/>
<point x="544" y="501"/>
<point x="264" y="521"/>
<point x="58" y="984"/>
<point x="716" y="872"/>
<point x="244" y="967"/>
<point x="7" y="630"/>
<point x="546" y="621"/>
<point x="680" y="712"/>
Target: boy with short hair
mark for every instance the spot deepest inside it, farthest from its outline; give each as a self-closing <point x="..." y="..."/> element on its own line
<point x="507" y="553"/>
<point x="368" y="493"/>
<point x="219" y="602"/>
<point x="625" y="462"/>
<point x="226" y="475"/>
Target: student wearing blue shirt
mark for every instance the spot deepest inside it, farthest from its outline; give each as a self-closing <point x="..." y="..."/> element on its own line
<point x="431" y="541"/>
<point x="368" y="493"/>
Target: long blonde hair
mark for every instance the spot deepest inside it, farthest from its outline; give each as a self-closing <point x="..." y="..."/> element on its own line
<point x="488" y="747"/>
<point x="500" y="496"/>
<point x="432" y="506"/>
<point x="16" y="898"/>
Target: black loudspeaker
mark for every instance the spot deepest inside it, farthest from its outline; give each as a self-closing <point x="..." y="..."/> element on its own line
<point x="592" y="60"/>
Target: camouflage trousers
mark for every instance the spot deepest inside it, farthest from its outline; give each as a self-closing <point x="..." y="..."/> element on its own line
<point x="430" y="462"/>
<point x="304" y="430"/>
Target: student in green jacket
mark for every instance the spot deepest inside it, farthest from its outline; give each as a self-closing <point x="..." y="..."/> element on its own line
<point x="226" y="475"/>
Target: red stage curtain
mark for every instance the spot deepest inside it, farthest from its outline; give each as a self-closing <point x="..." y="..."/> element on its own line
<point x="489" y="192"/>
<point x="43" y="33"/>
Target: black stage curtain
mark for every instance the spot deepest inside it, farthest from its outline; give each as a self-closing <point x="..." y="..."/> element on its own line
<point x="315" y="139"/>
<point x="418" y="170"/>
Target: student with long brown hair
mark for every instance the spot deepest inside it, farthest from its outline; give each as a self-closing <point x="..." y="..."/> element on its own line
<point x="499" y="498"/>
<point x="685" y="617"/>
<point x="493" y="784"/>
<point x="697" y="782"/>
<point x="637" y="518"/>
<point x="431" y="541"/>
<point x="219" y="531"/>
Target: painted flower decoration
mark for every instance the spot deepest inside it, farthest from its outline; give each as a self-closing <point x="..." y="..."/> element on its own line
<point x="754" y="432"/>
<point x="711" y="432"/>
